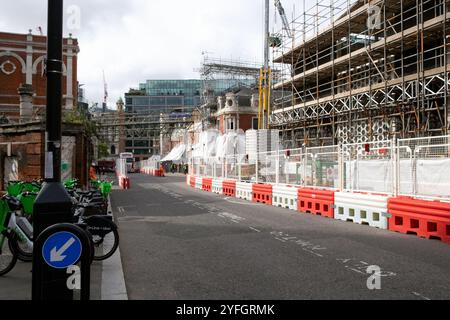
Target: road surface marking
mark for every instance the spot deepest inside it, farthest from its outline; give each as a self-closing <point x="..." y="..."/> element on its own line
<point x="315" y="253"/>
<point x="247" y="203"/>
<point x="254" y="229"/>
<point x="420" y="296"/>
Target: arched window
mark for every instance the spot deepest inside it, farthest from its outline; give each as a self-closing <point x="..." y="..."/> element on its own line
<point x="113" y="149"/>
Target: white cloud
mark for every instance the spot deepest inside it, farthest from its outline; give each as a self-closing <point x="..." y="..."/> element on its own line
<point x="136" y="40"/>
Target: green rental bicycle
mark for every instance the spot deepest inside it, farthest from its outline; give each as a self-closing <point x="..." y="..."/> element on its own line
<point x="13" y="230"/>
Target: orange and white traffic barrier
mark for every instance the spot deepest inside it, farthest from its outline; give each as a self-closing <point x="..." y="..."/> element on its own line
<point x="262" y="193"/>
<point x="362" y="208"/>
<point x="285" y="196"/>
<point x="316" y="201"/>
<point x="229" y="188"/>
<point x="198" y="183"/>
<point x="244" y="191"/>
<point x="192" y="181"/>
<point x="217" y="186"/>
<point x="207" y="184"/>
<point x="426" y="219"/>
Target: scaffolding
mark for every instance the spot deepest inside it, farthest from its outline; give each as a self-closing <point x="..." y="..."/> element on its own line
<point x="358" y="71"/>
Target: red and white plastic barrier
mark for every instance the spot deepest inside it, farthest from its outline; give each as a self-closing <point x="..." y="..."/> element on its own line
<point x="244" y="191"/>
<point x="262" y="193"/>
<point x="217" y="186"/>
<point x="426" y="219"/>
<point x="316" y="201"/>
<point x="285" y="196"/>
<point x="207" y="184"/>
<point x="361" y="208"/>
<point x="198" y="183"/>
<point x="229" y="188"/>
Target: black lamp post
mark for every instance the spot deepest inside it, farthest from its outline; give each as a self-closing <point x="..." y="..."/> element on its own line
<point x="53" y="204"/>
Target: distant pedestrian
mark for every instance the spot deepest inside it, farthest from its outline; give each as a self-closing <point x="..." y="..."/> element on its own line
<point x="93" y="172"/>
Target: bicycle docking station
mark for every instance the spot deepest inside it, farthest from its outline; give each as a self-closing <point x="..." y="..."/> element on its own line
<point x="59" y="246"/>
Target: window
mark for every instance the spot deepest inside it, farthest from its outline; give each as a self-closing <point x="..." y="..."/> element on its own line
<point x="230" y="123"/>
<point x="255" y="123"/>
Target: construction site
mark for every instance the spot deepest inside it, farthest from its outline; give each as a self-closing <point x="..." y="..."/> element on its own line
<point x="362" y="71"/>
<point x="307" y="158"/>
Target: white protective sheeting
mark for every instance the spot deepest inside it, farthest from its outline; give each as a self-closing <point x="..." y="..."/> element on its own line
<point x="176" y="155"/>
<point x="433" y="177"/>
<point x="369" y="175"/>
<point x="230" y="144"/>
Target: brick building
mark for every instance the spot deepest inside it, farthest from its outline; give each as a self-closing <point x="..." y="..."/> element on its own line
<point x="237" y="110"/>
<point x="22" y="63"/>
<point x="22" y="152"/>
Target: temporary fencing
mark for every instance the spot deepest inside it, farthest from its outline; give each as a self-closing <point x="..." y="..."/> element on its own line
<point x="122" y="173"/>
<point x="427" y="219"/>
<point x="362" y="208"/>
<point x="244" y="191"/>
<point x="217" y="186"/>
<point x="207" y="184"/>
<point x="285" y="196"/>
<point x="315" y="201"/>
<point x="198" y="183"/>
<point x="229" y="188"/>
<point x="262" y="193"/>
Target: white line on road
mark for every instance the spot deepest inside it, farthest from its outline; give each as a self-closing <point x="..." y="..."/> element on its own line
<point x="254" y="229"/>
<point x="420" y="296"/>
<point x="239" y="202"/>
<point x="315" y="253"/>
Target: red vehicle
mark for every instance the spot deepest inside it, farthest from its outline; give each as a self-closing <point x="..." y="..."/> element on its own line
<point x="107" y="166"/>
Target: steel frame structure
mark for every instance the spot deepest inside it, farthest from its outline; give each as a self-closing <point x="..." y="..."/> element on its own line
<point x="359" y="71"/>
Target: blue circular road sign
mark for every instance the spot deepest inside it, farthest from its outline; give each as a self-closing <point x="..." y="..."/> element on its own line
<point x="62" y="250"/>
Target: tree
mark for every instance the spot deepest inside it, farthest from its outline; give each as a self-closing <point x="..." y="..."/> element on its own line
<point x="103" y="150"/>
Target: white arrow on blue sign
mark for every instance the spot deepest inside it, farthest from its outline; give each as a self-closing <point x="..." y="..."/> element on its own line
<point x="62" y="250"/>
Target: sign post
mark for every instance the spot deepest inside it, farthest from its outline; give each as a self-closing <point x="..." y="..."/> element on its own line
<point x="53" y="204"/>
<point x="57" y="252"/>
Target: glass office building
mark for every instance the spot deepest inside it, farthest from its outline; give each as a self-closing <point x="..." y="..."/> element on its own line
<point x="164" y="96"/>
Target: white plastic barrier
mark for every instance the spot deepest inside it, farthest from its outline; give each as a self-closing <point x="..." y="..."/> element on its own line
<point x="361" y="208"/>
<point x="285" y="196"/>
<point x="198" y="183"/>
<point x="188" y="179"/>
<point x="244" y="190"/>
<point x="217" y="186"/>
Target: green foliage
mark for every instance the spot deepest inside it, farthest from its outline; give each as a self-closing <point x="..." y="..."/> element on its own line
<point x="103" y="150"/>
<point x="76" y="117"/>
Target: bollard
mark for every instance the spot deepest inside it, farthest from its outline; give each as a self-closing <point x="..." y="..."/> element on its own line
<point x="57" y="251"/>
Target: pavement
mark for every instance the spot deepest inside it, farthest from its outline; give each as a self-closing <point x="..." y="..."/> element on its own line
<point x="181" y="243"/>
<point x="107" y="281"/>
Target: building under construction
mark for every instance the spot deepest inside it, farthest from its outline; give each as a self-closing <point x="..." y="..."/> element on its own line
<point x="360" y="71"/>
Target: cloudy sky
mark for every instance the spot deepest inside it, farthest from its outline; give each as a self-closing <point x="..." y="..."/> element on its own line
<point x="135" y="40"/>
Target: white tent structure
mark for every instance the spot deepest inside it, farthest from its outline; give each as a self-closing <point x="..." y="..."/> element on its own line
<point x="177" y="155"/>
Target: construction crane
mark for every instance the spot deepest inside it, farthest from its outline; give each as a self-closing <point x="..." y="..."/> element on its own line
<point x="265" y="73"/>
<point x="284" y="19"/>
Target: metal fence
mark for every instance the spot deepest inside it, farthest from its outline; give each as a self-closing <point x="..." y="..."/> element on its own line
<point x="417" y="167"/>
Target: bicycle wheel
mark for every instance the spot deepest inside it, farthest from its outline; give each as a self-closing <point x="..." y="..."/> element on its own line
<point x="106" y="245"/>
<point x="8" y="253"/>
<point x="23" y="252"/>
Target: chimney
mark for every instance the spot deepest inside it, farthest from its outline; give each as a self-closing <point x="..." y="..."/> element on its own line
<point x="26" y="102"/>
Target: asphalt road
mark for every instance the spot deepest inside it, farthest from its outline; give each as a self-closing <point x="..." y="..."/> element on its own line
<point x="181" y="243"/>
